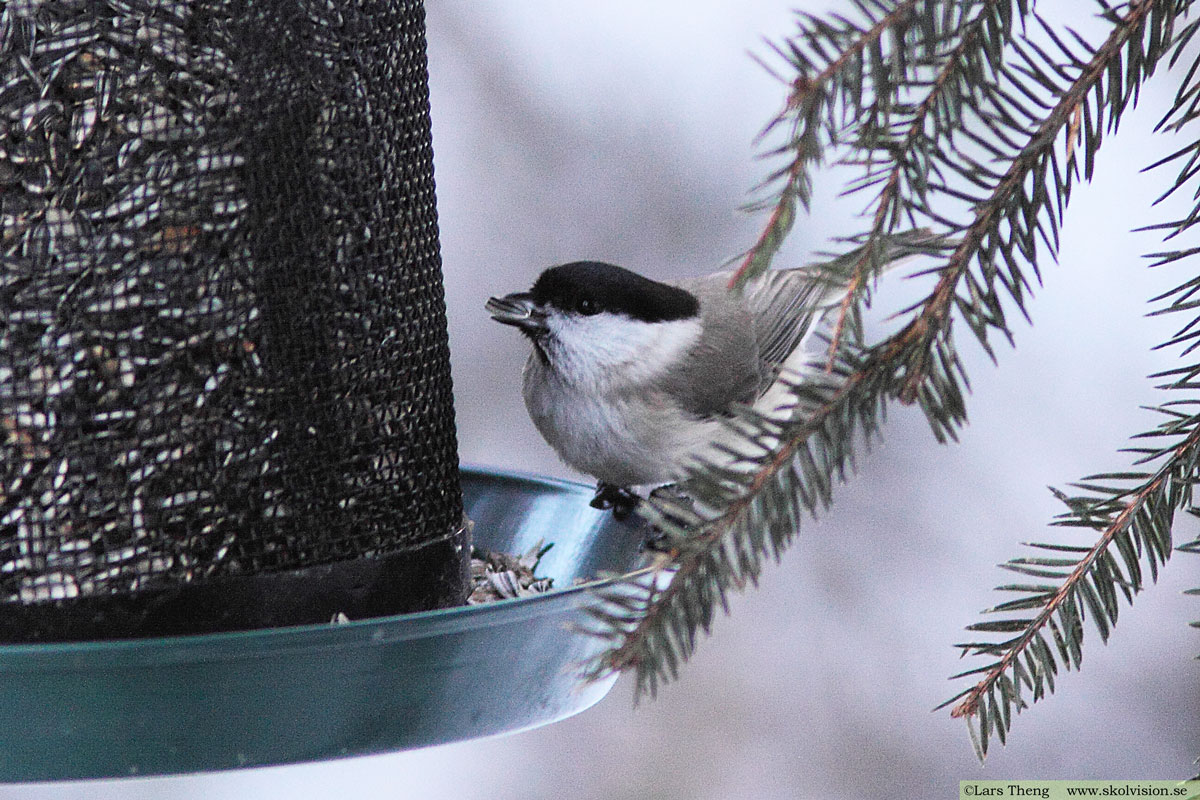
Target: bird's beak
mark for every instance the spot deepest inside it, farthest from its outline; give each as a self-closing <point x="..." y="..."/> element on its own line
<point x="519" y="310"/>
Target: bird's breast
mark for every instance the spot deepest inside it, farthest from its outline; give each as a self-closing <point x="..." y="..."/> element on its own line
<point x="625" y="439"/>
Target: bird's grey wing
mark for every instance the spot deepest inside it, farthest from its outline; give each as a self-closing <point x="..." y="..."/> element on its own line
<point x="788" y="305"/>
<point x="746" y="338"/>
<point x="782" y="307"/>
<point x="791" y="304"/>
<point x="723" y="367"/>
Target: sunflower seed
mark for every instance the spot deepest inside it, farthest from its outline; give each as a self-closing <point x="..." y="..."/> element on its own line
<point x="36" y="114"/>
<point x="83" y="122"/>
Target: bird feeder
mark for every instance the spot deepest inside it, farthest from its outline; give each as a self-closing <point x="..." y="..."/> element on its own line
<point x="225" y="401"/>
<point x="95" y="709"/>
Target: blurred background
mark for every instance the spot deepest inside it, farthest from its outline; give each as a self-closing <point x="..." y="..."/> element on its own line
<point x="623" y="131"/>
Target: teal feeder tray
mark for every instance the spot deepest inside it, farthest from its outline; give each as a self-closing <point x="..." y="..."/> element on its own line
<point x="286" y="695"/>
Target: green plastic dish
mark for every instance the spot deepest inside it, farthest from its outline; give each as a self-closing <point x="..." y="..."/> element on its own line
<point x="284" y="695"/>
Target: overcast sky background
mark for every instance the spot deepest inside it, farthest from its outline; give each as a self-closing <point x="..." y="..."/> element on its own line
<point x="622" y="131"/>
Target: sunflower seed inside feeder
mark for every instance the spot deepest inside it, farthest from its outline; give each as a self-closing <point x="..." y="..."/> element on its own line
<point x="114" y="163"/>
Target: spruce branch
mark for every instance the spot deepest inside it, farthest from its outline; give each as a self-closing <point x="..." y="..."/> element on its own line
<point x="904" y="194"/>
<point x="1132" y="512"/>
<point x="1135" y="523"/>
<point x="974" y="119"/>
<point x="841" y="70"/>
<point x="1026" y="216"/>
<point x="751" y="505"/>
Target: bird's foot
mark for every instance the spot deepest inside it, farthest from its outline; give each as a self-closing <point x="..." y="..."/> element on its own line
<point x="622" y="501"/>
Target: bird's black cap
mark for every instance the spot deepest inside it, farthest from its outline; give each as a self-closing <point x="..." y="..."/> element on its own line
<point x="587" y="287"/>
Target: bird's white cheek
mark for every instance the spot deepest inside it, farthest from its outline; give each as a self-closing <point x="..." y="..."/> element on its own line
<point x="606" y="348"/>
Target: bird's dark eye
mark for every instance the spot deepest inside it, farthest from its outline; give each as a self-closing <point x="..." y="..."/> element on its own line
<point x="587" y="306"/>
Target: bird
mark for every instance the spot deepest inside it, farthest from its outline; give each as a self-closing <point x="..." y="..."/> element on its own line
<point x="629" y="377"/>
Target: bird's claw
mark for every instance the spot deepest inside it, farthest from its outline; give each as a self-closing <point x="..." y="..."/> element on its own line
<point x="622" y="501"/>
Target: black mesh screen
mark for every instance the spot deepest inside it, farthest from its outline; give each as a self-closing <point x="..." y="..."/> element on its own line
<point x="223" y="347"/>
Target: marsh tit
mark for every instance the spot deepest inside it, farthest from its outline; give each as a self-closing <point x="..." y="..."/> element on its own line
<point x="629" y="377"/>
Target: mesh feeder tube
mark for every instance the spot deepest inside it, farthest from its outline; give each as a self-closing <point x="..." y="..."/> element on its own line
<point x="225" y="396"/>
